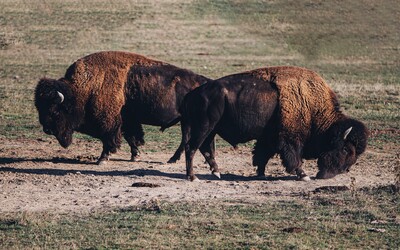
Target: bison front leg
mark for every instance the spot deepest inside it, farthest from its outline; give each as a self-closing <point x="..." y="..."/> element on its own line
<point x="291" y="158"/>
<point x="132" y="130"/>
<point x="111" y="142"/>
<point x="134" y="135"/>
<point x="262" y="152"/>
<point x="104" y="157"/>
<point x="133" y="144"/>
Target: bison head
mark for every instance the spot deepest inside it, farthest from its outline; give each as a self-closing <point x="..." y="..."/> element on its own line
<point x="345" y="140"/>
<point x="55" y="103"/>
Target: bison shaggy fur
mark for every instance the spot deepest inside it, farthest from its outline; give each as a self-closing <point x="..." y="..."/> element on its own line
<point x="290" y="111"/>
<point x="109" y="94"/>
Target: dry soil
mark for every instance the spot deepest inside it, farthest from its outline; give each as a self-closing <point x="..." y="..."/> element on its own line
<point x="39" y="175"/>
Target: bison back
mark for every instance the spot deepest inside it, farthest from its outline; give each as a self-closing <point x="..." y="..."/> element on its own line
<point x="155" y="93"/>
<point x="251" y="108"/>
<point x="239" y="107"/>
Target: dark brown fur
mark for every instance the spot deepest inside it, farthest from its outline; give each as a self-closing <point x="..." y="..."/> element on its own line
<point x="288" y="110"/>
<point x="111" y="93"/>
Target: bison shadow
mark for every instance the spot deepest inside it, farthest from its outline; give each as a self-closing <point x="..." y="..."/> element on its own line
<point x="210" y="177"/>
<point x="233" y="177"/>
<point x="137" y="172"/>
<point x="10" y="160"/>
<point x="140" y="161"/>
<point x="141" y="173"/>
<point x="154" y="172"/>
<point x="62" y="172"/>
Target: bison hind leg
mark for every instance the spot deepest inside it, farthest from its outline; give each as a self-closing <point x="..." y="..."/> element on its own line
<point x="201" y="138"/>
<point x="208" y="151"/>
<point x="177" y="155"/>
<point x="185" y="130"/>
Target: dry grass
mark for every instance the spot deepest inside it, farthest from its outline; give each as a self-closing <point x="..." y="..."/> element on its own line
<point x="357" y="53"/>
<point x="353" y="44"/>
<point x="324" y="220"/>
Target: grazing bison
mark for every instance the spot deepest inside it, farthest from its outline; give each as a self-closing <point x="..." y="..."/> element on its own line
<point x="107" y="94"/>
<point x="288" y="110"/>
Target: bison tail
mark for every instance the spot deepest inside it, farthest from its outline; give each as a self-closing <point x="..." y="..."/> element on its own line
<point x="170" y="124"/>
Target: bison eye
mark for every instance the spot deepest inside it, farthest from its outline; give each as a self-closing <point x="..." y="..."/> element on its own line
<point x="346" y="150"/>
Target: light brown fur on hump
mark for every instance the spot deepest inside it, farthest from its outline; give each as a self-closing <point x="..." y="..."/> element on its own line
<point x="102" y="77"/>
<point x="305" y="99"/>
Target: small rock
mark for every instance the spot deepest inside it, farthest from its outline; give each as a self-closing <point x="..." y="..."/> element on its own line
<point x="144" y="184"/>
<point x="378" y="222"/>
<point x="378" y="230"/>
<point x="331" y="189"/>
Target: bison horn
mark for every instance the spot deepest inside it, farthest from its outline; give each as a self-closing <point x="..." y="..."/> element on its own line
<point x="61" y="96"/>
<point x="347" y="132"/>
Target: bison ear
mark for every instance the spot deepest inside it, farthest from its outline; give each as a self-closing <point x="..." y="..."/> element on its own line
<point x="61" y="97"/>
<point x="347" y="132"/>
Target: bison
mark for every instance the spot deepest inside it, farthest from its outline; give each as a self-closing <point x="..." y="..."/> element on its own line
<point x="289" y="111"/>
<point x="110" y="93"/>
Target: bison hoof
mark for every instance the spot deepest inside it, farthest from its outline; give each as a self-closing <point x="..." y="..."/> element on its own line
<point x="102" y="162"/>
<point x="218" y="174"/>
<point x="172" y="160"/>
<point x="193" y="178"/>
<point x="305" y="178"/>
<point x="135" y="158"/>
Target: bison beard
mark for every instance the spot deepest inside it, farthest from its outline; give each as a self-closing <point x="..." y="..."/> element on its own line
<point x="110" y="94"/>
<point x="290" y="111"/>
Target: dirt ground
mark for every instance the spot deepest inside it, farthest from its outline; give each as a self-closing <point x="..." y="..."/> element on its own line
<point x="39" y="175"/>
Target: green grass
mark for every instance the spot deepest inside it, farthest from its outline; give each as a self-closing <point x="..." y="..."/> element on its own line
<point x="347" y="220"/>
<point x="333" y="37"/>
<point x="349" y="48"/>
<point x="354" y="45"/>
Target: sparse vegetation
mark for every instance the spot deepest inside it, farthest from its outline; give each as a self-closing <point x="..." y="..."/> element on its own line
<point x="357" y="53"/>
<point x="352" y="44"/>
<point x="323" y="220"/>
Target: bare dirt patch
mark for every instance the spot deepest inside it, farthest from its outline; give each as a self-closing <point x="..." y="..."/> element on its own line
<point x="38" y="175"/>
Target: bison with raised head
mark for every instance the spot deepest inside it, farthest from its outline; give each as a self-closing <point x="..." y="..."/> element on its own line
<point x="290" y="111"/>
<point x="111" y="93"/>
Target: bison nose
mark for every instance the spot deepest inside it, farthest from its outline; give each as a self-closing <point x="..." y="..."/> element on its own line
<point x="346" y="169"/>
<point x="47" y="131"/>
